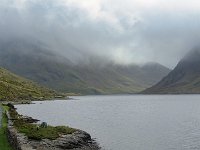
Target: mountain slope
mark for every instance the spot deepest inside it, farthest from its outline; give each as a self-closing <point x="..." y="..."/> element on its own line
<point x="185" y="78"/>
<point x="38" y="63"/>
<point x="13" y="88"/>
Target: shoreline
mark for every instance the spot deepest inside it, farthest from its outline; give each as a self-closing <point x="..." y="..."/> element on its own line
<point x="78" y="140"/>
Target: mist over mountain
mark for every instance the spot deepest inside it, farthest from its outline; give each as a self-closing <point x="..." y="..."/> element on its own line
<point x="95" y="76"/>
<point x="185" y="78"/>
<point x="96" y="46"/>
<point x="138" y="32"/>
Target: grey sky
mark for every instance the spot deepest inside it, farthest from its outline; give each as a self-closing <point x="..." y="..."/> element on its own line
<point x="124" y="31"/>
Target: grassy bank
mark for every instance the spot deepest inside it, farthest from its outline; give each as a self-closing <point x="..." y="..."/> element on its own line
<point x="15" y="88"/>
<point x="4" y="144"/>
<point x="33" y="131"/>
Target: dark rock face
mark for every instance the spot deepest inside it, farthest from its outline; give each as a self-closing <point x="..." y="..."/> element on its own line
<point x="185" y="78"/>
<point x="11" y="106"/>
<point x="30" y="119"/>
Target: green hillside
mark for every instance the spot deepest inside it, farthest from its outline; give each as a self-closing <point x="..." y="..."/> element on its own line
<point x="14" y="88"/>
<point x="39" y="64"/>
<point x="184" y="79"/>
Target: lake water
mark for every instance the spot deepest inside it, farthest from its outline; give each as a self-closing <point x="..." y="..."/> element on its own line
<point x="128" y="122"/>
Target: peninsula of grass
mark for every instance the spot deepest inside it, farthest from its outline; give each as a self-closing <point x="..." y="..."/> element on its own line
<point x="33" y="131"/>
<point x="4" y="144"/>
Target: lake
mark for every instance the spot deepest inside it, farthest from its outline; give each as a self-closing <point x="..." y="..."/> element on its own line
<point x="127" y="122"/>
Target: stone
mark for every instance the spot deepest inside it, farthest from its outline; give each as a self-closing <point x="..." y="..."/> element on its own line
<point x="79" y="140"/>
<point x="43" y="125"/>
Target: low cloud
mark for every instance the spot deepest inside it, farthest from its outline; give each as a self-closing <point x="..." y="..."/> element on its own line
<point x="125" y="31"/>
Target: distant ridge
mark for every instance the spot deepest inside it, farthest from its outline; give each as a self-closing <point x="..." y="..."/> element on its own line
<point x="36" y="62"/>
<point x="183" y="79"/>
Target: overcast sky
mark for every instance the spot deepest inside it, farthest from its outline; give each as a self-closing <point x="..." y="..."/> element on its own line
<point x="124" y="31"/>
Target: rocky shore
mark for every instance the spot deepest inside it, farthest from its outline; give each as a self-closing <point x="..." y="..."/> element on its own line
<point x="79" y="140"/>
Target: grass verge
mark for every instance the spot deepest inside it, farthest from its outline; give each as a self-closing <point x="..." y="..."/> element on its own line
<point x="4" y="144"/>
<point x="32" y="131"/>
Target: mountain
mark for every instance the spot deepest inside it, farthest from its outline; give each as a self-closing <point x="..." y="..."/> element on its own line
<point x="185" y="78"/>
<point x="13" y="88"/>
<point x="37" y="62"/>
